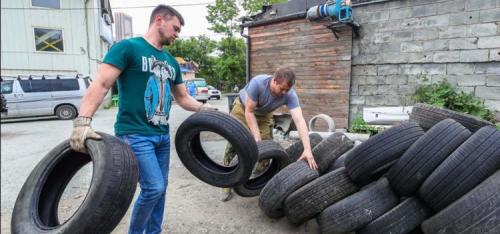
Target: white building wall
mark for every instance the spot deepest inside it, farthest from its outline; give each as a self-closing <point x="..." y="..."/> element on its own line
<point x="83" y="47"/>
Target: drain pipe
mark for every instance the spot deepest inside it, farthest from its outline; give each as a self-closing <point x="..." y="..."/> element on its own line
<point x="247" y="64"/>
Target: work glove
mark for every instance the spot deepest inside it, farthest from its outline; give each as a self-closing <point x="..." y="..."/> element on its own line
<point x="81" y="132"/>
<point x="207" y="107"/>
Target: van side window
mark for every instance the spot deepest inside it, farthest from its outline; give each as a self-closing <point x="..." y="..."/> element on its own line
<point x="7" y="86"/>
<point x="31" y="86"/>
<point x="65" y="85"/>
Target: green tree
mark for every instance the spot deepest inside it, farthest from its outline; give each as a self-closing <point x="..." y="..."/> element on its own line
<point x="230" y="66"/>
<point x="254" y="6"/>
<point x="222" y="16"/>
<point x="199" y="50"/>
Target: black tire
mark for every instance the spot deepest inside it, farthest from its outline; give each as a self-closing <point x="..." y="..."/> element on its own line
<point x="282" y="184"/>
<point x="328" y="150"/>
<point x="268" y="149"/>
<point x="338" y="163"/>
<point x="368" y="160"/>
<point x="314" y="197"/>
<point x="401" y="219"/>
<point x="114" y="181"/>
<point x="359" y="209"/>
<point x="420" y="160"/>
<point x="472" y="162"/>
<point x="66" y="112"/>
<point x="478" y="211"/>
<point x="194" y="158"/>
<point x="296" y="149"/>
<point x="427" y="116"/>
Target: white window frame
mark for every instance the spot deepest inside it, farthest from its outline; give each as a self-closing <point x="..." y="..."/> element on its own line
<point x="50" y="28"/>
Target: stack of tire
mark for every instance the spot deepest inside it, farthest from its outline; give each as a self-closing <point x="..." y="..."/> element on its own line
<point x="437" y="173"/>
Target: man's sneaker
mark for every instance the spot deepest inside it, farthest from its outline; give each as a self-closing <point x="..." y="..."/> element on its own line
<point x="226" y="194"/>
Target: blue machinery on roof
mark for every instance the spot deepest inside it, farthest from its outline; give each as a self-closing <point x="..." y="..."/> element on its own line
<point x="340" y="10"/>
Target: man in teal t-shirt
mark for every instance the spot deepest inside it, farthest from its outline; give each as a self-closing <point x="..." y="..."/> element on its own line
<point x="147" y="78"/>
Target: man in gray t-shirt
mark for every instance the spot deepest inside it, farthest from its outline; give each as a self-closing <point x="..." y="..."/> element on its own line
<point x="255" y="106"/>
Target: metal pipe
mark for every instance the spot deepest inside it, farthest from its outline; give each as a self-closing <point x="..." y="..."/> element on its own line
<point x="247" y="63"/>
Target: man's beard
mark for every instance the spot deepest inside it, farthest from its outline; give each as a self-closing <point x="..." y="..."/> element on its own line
<point x="164" y="41"/>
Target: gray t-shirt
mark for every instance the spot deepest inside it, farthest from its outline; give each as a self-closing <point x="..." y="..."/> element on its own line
<point x="258" y="89"/>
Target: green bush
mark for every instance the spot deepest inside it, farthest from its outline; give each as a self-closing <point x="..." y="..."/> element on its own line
<point x="442" y="94"/>
<point x="358" y="125"/>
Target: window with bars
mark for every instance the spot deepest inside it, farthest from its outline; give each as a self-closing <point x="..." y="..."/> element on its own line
<point x="48" y="40"/>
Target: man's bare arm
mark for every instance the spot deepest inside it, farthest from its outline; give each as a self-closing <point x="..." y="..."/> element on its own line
<point x="250" y="106"/>
<point x="184" y="99"/>
<point x="299" y="121"/>
<point x="105" y="78"/>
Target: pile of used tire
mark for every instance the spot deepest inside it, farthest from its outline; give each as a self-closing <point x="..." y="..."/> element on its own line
<point x="437" y="173"/>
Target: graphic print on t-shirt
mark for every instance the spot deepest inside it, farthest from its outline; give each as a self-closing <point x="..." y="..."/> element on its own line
<point x="157" y="97"/>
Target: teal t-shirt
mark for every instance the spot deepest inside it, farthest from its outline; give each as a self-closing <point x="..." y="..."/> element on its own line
<point x="144" y="86"/>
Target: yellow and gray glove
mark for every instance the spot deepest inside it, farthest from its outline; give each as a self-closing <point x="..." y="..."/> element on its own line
<point x="82" y="131"/>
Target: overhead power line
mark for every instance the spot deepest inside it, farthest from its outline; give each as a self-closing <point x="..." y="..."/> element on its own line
<point x="113" y="8"/>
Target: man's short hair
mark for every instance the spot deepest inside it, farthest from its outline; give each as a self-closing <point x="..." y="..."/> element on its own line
<point x="284" y="74"/>
<point x="167" y="12"/>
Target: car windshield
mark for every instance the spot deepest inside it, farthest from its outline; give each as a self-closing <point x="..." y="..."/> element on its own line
<point x="7" y="86"/>
<point x="211" y="87"/>
<point x="200" y="83"/>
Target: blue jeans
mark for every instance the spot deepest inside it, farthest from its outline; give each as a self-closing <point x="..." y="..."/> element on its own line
<point x="153" y="157"/>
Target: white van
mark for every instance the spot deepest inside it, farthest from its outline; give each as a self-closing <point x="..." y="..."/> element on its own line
<point x="43" y="95"/>
<point x="201" y="89"/>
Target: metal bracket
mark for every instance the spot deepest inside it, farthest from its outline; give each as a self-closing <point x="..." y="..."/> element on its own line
<point x="338" y="24"/>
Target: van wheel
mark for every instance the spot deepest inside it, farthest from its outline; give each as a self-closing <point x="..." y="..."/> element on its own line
<point x="65" y="112"/>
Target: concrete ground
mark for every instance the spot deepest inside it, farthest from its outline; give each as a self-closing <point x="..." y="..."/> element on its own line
<point x="192" y="206"/>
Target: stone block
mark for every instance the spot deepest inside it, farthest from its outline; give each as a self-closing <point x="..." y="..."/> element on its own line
<point x="426" y="34"/>
<point x="452" y="31"/>
<point x="481" y="30"/>
<point x="434" y="45"/>
<point x="373" y="17"/>
<point x="451" y="6"/>
<point x="472" y="5"/>
<point x="469" y="80"/>
<point x="366" y="70"/>
<point x="460" y="69"/>
<point x="367" y="89"/>
<point x="392" y="100"/>
<point x="382" y="37"/>
<point x="429" y="69"/>
<point x="462" y="18"/>
<point x="492" y="104"/>
<point x="495" y="55"/>
<point x="394" y="58"/>
<point x="424" y="57"/>
<point x="439" y="78"/>
<point x="425" y="10"/>
<point x="463" y="43"/>
<point x="492" y="93"/>
<point x="400" y="13"/>
<point x="357" y="100"/>
<point x="387" y="70"/>
<point x="387" y="26"/>
<point x="493" y="80"/>
<point x="492" y="15"/>
<point x="466" y="89"/>
<point x="407" y="89"/>
<point x="396" y="79"/>
<point x="402" y="36"/>
<point x="387" y="89"/>
<point x="488" y="68"/>
<point x="376" y="100"/>
<point x="474" y="55"/>
<point x="446" y="56"/>
<point x="489" y="42"/>
<point x="414" y="46"/>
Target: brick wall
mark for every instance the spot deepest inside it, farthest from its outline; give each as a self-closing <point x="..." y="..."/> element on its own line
<point x="322" y="63"/>
<point x="403" y="41"/>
